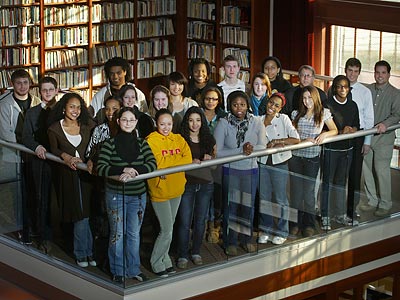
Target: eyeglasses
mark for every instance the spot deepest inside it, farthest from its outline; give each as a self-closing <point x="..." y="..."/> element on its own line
<point x="306" y="75"/>
<point x="211" y="99"/>
<point x="123" y="120"/>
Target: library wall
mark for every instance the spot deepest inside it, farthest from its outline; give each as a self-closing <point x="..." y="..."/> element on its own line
<point x="71" y="40"/>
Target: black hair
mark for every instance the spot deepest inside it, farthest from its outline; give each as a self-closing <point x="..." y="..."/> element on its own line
<point x="132" y="110"/>
<point x="220" y="97"/>
<point x="120" y="62"/>
<point x="353" y="62"/>
<point x="199" y="61"/>
<point x="383" y="63"/>
<point x="238" y="94"/>
<point x="336" y="81"/>
<point x="179" y="78"/>
<point x="59" y="108"/>
<point x="162" y="111"/>
<point x="278" y="63"/>
<point x="113" y="97"/>
<point x="206" y="139"/>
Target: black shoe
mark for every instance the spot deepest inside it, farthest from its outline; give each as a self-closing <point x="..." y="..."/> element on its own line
<point x="170" y="270"/>
<point x="118" y="279"/>
<point x="162" y="274"/>
<point x="141" y="277"/>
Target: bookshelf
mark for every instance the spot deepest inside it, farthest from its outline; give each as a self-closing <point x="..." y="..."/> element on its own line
<point x="72" y="39"/>
<point x="218" y="28"/>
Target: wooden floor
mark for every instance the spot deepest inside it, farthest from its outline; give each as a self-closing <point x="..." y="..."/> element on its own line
<point x="211" y="253"/>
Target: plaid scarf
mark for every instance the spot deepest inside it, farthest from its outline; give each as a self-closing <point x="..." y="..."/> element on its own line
<point x="241" y="126"/>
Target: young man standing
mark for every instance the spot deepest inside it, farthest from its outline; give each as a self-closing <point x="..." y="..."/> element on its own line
<point x="117" y="70"/>
<point x="231" y="82"/>
<point x="34" y="137"/>
<point x="376" y="167"/>
<point x="362" y="96"/>
<point x="13" y="106"/>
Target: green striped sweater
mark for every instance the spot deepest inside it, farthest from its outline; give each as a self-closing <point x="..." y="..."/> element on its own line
<point x="110" y="164"/>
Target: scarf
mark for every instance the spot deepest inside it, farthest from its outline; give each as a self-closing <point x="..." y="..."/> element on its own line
<point x="241" y="126"/>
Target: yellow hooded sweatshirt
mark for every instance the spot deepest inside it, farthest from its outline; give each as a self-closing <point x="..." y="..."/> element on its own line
<point x="169" y="151"/>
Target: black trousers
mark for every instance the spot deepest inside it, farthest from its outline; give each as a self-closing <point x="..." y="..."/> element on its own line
<point x="353" y="195"/>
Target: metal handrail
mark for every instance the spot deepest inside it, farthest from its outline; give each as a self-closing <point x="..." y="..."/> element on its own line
<point x="215" y="161"/>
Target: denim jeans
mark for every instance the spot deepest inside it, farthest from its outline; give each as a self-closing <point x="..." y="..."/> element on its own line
<point x="166" y="213"/>
<point x="303" y="175"/>
<point x="83" y="240"/>
<point x="335" y="173"/>
<point x="125" y="215"/>
<point x="239" y="192"/>
<point x="193" y="209"/>
<point x="273" y="179"/>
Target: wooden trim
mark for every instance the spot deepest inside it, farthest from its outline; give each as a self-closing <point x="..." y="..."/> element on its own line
<point x="309" y="271"/>
<point x="32" y="284"/>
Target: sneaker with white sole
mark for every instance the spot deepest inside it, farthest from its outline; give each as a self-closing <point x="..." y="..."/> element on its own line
<point x="278" y="240"/>
<point x="326" y="223"/>
<point x="345" y="220"/>
<point x="82" y="262"/>
<point x="263" y="239"/>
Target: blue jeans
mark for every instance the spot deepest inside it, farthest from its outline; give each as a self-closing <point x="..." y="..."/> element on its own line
<point x="303" y="175"/>
<point x="239" y="192"/>
<point x="336" y="167"/>
<point x="273" y="179"/>
<point x="193" y="208"/>
<point x="83" y="240"/>
<point x="124" y="243"/>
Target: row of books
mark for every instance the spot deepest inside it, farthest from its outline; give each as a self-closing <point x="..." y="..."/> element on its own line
<point x="235" y="15"/>
<point x="101" y="53"/>
<point x="200" y="30"/>
<point x="244" y="75"/>
<point x="19" y="35"/>
<point x="71" y="14"/>
<point x="5" y="76"/>
<point x="202" y="50"/>
<point x="241" y="54"/>
<point x="71" y="36"/>
<point x="66" y="58"/>
<point x="60" y="1"/>
<point x="19" y="56"/>
<point x="113" y="11"/>
<point x="112" y="32"/>
<point x="235" y="35"/>
<point x="152" y="48"/>
<point x="201" y="10"/>
<point x="77" y="78"/>
<point x="153" y="28"/>
<point x="98" y="76"/>
<point x="150" y="68"/>
<point x="19" y="16"/>
<point x="152" y="8"/>
<point x="17" y="2"/>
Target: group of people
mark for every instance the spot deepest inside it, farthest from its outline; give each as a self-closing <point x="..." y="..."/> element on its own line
<point x="121" y="135"/>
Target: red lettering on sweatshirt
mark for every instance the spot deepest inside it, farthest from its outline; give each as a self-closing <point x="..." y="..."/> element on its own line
<point x="170" y="152"/>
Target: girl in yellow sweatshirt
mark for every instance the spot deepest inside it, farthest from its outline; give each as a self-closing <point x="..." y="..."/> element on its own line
<point x="165" y="191"/>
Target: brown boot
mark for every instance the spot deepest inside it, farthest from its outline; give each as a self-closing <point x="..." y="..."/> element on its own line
<point x="212" y="233"/>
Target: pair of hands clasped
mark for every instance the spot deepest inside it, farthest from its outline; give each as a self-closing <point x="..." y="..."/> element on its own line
<point x="128" y="173"/>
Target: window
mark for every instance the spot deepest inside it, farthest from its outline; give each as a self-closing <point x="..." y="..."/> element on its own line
<point x="368" y="46"/>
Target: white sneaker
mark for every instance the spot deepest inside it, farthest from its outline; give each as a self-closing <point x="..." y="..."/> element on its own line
<point x="278" y="240"/>
<point x="325" y="223"/>
<point x="263" y="239"/>
<point x="345" y="220"/>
